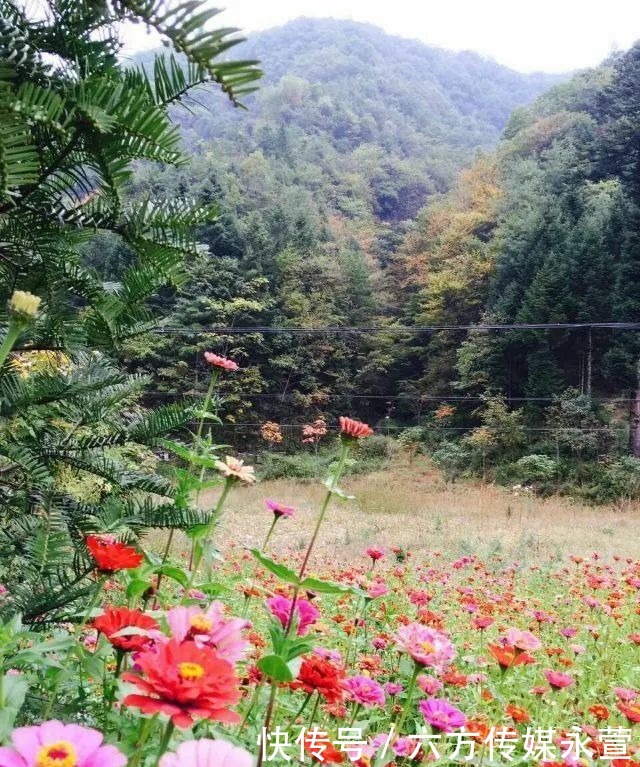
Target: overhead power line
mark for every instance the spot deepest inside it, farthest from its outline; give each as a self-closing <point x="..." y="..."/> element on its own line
<point x="395" y="427"/>
<point x="387" y="397"/>
<point x="371" y="329"/>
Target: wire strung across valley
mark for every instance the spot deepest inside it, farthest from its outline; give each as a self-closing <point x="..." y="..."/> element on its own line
<point x="411" y="329"/>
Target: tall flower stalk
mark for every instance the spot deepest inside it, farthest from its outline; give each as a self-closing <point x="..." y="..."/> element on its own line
<point x="350" y="432"/>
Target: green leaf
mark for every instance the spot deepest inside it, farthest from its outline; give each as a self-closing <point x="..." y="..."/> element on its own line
<point x="212" y="589"/>
<point x="197" y="531"/>
<point x="276" y="668"/>
<point x="175" y="573"/>
<point x="280" y="571"/>
<point x="337" y="491"/>
<point x="14" y="692"/>
<point x="136" y="588"/>
<point x="325" y="587"/>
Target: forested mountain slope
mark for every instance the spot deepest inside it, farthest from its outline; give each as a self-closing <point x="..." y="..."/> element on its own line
<point x="362" y="121"/>
<point x="543" y="231"/>
<point x="350" y="132"/>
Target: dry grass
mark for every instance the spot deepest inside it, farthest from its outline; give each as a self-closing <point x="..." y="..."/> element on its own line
<point x="411" y="507"/>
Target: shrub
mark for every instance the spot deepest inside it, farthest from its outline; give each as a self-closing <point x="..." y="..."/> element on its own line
<point x="451" y="458"/>
<point x="618" y="481"/>
<point x="536" y="468"/>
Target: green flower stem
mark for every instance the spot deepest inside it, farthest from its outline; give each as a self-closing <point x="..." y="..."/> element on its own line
<point x="301" y="709"/>
<point x="314" y="710"/>
<point x="164" y="743"/>
<point x="207" y="402"/>
<point x="333" y="483"/>
<point x="271" y="529"/>
<point x="215" y="514"/>
<point x="267" y="719"/>
<point x="247" y="600"/>
<point x="145" y="731"/>
<point x="92" y="603"/>
<point x="408" y="702"/>
<point x="13" y="332"/>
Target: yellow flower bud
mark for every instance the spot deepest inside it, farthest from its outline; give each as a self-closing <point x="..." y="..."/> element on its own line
<point x="23" y="305"/>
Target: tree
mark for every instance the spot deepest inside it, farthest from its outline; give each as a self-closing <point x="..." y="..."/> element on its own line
<point x="74" y="122"/>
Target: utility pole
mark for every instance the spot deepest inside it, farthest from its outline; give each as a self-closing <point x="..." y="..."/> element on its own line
<point x="589" y="359"/>
<point x="634" y="416"/>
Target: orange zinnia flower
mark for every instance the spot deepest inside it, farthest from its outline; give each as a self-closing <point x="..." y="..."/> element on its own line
<point x="630" y="710"/>
<point x="508" y="656"/>
<point x="351" y="429"/>
<point x="600" y="712"/>
<point x="517" y="713"/>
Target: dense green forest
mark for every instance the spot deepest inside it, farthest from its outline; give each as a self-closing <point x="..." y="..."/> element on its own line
<point x="317" y="184"/>
<point x="375" y="181"/>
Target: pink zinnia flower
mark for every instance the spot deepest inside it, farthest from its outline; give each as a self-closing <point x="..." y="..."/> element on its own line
<point x="210" y="628"/>
<point x="558" y="680"/>
<point x="377" y="589"/>
<point x="393" y="688"/>
<point x="442" y="715"/>
<point x="429" y="684"/>
<point x="375" y="552"/>
<point x="625" y="693"/>
<point x="404" y="746"/>
<point x="306" y="613"/>
<point x="365" y="691"/>
<point x="207" y="753"/>
<point x="425" y="645"/>
<point x="333" y="655"/>
<point x="53" y="743"/>
<point x="279" y="509"/>
<point x="523" y="640"/>
<point x="220" y="362"/>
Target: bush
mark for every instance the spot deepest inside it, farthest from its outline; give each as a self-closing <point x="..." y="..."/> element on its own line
<point x="451" y="458"/>
<point x="375" y="447"/>
<point x="296" y="466"/>
<point x="618" y="481"/>
<point x="536" y="468"/>
<point x="368" y="455"/>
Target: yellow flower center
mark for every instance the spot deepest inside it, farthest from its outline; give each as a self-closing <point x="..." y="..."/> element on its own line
<point x="427" y="647"/>
<point x="189" y="672"/>
<point x="60" y="754"/>
<point x="201" y="623"/>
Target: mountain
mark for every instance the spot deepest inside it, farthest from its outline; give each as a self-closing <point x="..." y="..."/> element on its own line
<point x="317" y="183"/>
<point x="362" y="121"/>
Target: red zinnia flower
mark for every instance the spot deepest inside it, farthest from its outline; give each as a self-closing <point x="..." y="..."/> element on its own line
<point x="322" y="750"/>
<point x="220" y="362"/>
<point x="600" y="712"/>
<point x="110" y="555"/>
<point x="114" y="619"/>
<point x="184" y="681"/>
<point x="321" y="675"/>
<point x="630" y="710"/>
<point x="351" y="429"/>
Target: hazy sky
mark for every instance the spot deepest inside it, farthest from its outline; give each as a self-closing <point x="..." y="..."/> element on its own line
<point x="549" y="35"/>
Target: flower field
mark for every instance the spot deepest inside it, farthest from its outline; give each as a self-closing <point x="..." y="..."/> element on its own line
<point x="391" y="659"/>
